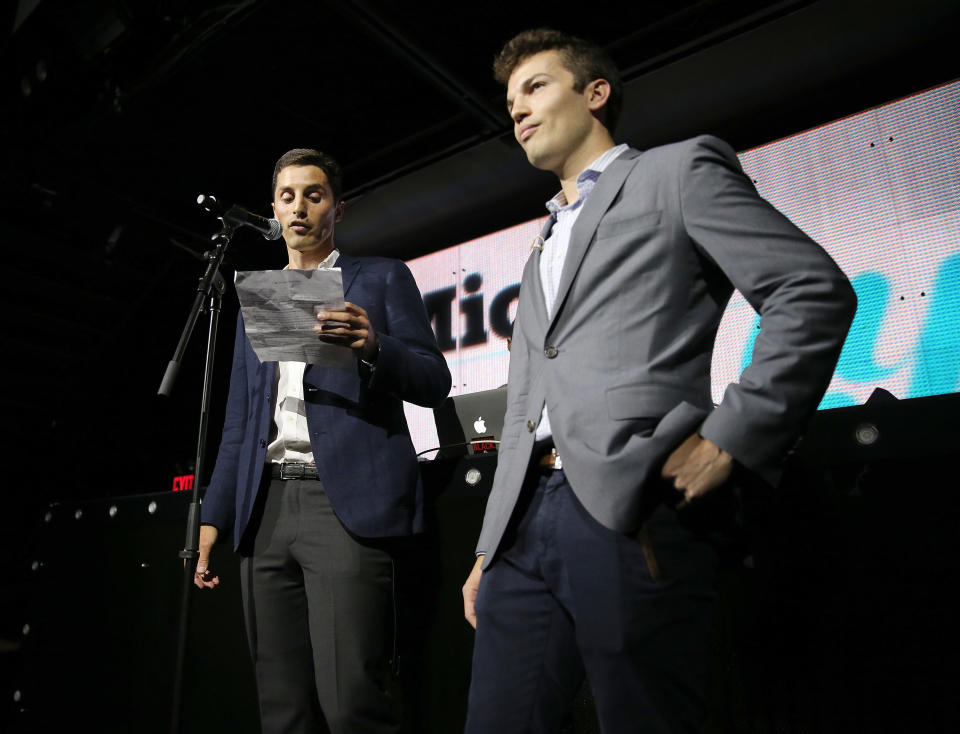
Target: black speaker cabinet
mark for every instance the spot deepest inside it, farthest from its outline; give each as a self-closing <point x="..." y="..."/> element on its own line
<point x="100" y="632"/>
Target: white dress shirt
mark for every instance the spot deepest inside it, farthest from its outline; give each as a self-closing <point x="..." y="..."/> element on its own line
<point x="292" y="440"/>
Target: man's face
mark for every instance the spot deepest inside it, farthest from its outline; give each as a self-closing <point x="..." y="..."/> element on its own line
<point x="550" y="120"/>
<point x="304" y="203"/>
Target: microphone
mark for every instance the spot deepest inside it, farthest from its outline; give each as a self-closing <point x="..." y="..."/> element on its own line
<point x="269" y="228"/>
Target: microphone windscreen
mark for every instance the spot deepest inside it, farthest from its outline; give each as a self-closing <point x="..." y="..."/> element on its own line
<point x="275" y="229"/>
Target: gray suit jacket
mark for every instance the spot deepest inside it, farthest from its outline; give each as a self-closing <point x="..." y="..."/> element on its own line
<point x="662" y="241"/>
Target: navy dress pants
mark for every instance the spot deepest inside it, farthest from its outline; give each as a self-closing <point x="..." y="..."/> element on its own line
<point x="566" y="596"/>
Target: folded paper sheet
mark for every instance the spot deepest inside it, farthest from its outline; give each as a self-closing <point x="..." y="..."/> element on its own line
<point x="280" y="309"/>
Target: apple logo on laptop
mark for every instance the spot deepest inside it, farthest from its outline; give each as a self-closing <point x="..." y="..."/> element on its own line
<point x="479" y="426"/>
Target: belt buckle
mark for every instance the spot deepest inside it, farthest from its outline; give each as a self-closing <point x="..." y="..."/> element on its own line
<point x="551" y="460"/>
<point x="292" y="470"/>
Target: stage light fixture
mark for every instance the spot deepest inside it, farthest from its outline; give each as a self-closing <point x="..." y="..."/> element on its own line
<point x="866" y="434"/>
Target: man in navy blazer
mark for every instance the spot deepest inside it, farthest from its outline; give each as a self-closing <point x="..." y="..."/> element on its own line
<point x="596" y="554"/>
<point x="316" y="471"/>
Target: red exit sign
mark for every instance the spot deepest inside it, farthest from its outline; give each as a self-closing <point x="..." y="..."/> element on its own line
<point x="183" y="483"/>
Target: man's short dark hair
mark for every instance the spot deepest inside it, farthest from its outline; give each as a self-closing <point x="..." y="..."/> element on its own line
<point x="585" y="60"/>
<point x="310" y="157"/>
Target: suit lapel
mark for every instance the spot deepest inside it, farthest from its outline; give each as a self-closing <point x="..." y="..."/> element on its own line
<point x="266" y="372"/>
<point x="349" y="267"/>
<point x="531" y="275"/>
<point x="602" y="196"/>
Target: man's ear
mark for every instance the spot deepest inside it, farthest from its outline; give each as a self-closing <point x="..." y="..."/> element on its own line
<point x="338" y="212"/>
<point x="273" y="208"/>
<point x="597" y="93"/>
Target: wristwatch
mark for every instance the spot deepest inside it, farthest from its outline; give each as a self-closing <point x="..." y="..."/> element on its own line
<point x="371" y="364"/>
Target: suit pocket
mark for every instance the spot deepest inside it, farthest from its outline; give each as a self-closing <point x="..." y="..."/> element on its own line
<point x="646" y="546"/>
<point x="643" y="401"/>
<point x="611" y="226"/>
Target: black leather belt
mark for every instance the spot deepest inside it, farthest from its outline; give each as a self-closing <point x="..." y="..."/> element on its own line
<point x="294" y="470"/>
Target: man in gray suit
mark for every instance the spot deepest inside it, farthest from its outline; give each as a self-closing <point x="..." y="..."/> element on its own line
<point x="597" y="554"/>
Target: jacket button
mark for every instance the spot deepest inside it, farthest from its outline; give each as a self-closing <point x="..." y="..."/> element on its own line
<point x="531" y="426"/>
<point x="263" y="443"/>
<point x="550" y="352"/>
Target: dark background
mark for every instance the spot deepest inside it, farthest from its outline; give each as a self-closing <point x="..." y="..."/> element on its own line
<point x="117" y="113"/>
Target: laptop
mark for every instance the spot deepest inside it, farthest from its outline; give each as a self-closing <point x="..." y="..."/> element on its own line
<point x="471" y="423"/>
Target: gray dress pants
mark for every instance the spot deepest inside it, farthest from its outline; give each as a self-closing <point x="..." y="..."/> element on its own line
<point x="319" y="606"/>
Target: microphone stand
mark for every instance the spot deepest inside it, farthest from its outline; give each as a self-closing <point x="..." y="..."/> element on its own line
<point x="210" y="293"/>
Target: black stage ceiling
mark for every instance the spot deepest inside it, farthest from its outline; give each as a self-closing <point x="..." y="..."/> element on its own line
<point x="118" y="113"/>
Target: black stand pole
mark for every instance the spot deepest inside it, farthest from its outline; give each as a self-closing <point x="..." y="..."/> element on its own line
<point x="210" y="292"/>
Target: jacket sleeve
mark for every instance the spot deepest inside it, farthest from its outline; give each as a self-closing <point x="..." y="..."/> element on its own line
<point x="218" y="507"/>
<point x="805" y="302"/>
<point x="410" y="365"/>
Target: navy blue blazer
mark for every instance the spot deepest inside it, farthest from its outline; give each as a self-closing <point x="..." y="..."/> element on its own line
<point x="358" y="431"/>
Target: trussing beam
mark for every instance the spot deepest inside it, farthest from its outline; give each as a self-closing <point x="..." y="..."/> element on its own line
<point x="432" y="70"/>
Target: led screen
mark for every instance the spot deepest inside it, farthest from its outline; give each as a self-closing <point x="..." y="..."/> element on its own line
<point x="879" y="190"/>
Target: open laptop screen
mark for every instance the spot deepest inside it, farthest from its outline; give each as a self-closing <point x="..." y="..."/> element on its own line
<point x="471" y="423"/>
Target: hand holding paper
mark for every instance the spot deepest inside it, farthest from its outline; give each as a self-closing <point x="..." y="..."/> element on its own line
<point x="350" y="328"/>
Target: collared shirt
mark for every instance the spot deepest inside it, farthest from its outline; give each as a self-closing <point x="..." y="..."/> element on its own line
<point x="558" y="242"/>
<point x="292" y="440"/>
